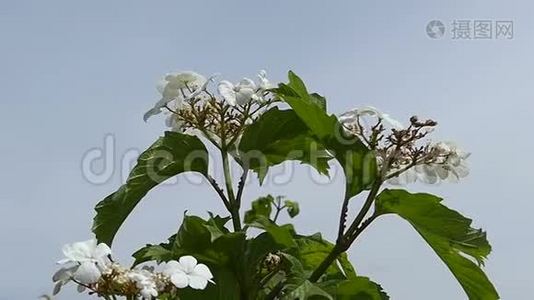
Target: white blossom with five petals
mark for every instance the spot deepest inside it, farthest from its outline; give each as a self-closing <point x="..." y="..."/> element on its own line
<point x="188" y="272"/>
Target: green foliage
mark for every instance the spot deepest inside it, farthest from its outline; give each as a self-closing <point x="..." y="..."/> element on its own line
<point x="306" y="290"/>
<point x="336" y="284"/>
<point x="312" y="250"/>
<point x="261" y="207"/>
<point x="358" y="162"/>
<point x="220" y="251"/>
<point x="278" y="263"/>
<point x="358" y="288"/>
<point x="283" y="235"/>
<point x="170" y="155"/>
<point x="278" y="136"/>
<point x="450" y="235"/>
<point x="293" y="208"/>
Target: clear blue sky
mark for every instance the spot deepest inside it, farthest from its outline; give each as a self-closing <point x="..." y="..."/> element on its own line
<point x="73" y="71"/>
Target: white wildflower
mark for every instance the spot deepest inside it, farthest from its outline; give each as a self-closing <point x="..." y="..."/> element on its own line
<point x="90" y="260"/>
<point x="188" y="272"/>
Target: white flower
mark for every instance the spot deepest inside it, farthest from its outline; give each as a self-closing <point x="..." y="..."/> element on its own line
<point x="264" y="83"/>
<point x="144" y="282"/>
<point x="202" y="88"/>
<point x="449" y="164"/>
<point x="62" y="277"/>
<point x="404" y="178"/>
<point x="238" y="94"/>
<point x="188" y="272"/>
<point x="90" y="259"/>
<point x="350" y="118"/>
<point x="173" y="88"/>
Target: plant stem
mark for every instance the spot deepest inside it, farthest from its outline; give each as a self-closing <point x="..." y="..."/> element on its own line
<point x="241" y="186"/>
<point x="332" y="256"/>
<point x="234" y="206"/>
<point x="343" y="216"/>
<point x="275" y="291"/>
<point x="365" y="208"/>
<point x="279" y="207"/>
<point x="346" y="240"/>
<point x="219" y="191"/>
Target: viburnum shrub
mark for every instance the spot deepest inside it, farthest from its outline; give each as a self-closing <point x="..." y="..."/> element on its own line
<point x="256" y="126"/>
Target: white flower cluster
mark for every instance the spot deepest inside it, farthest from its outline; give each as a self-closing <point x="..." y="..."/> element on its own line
<point x="178" y="87"/>
<point x="90" y="266"/>
<point x="399" y="156"/>
<point x="447" y="163"/>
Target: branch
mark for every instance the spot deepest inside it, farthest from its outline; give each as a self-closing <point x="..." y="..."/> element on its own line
<point x="349" y="237"/>
<point x="219" y="191"/>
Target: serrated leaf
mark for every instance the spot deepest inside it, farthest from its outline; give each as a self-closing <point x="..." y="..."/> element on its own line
<point x="448" y="233"/>
<point x="278" y="136"/>
<point x="358" y="162"/>
<point x="358" y="288"/>
<point x="167" y="157"/>
<point x="215" y="226"/>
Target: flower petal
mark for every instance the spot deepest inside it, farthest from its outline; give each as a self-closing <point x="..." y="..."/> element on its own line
<point x="226" y="89"/>
<point x="57" y="288"/>
<point x="203" y="271"/>
<point x="87" y="273"/>
<point x="151" y="112"/>
<point x="64" y="274"/>
<point x="247" y="83"/>
<point x="102" y="250"/>
<point x="244" y="96"/>
<point x="79" y="251"/>
<point x="188" y="263"/>
<point x="180" y="280"/>
<point x="170" y="268"/>
<point x="197" y="282"/>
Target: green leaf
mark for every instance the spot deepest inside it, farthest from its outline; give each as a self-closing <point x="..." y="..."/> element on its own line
<point x="292" y="208"/>
<point x="306" y="290"/>
<point x="223" y="255"/>
<point x="215" y="225"/>
<point x="170" y="155"/>
<point x="296" y="285"/>
<point x="358" y="162"/>
<point x="235" y="262"/>
<point x="450" y="235"/>
<point x="278" y="136"/>
<point x="159" y="253"/>
<point x="260" y="207"/>
<point x="282" y="234"/>
<point x="226" y="287"/>
<point x="358" y="288"/>
<point x="312" y="250"/>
